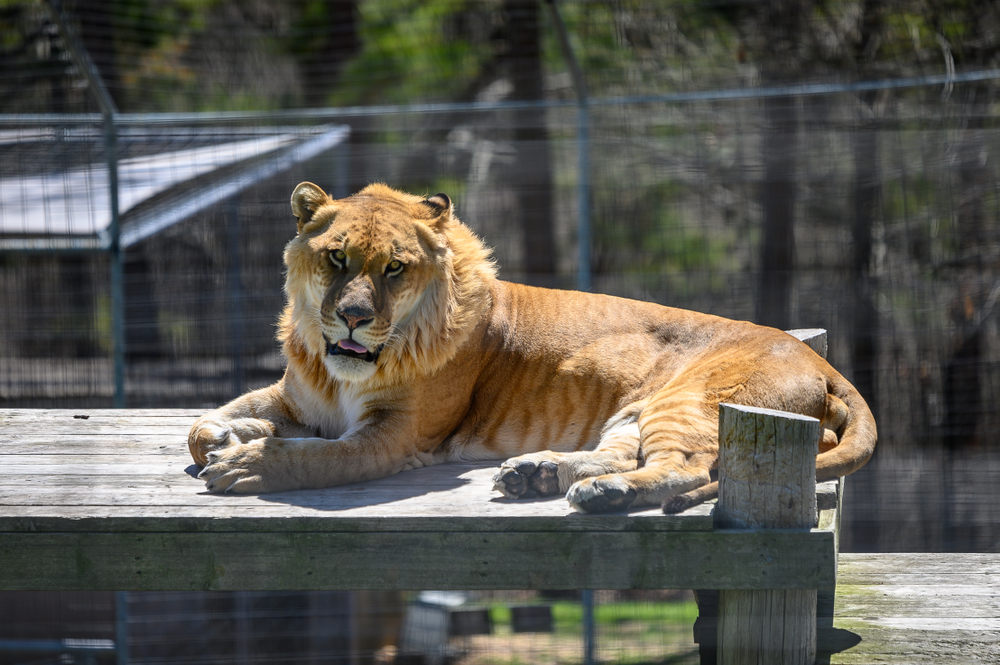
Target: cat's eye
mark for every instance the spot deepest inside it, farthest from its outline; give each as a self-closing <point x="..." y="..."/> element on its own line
<point x="338" y="258"/>
<point x="394" y="268"/>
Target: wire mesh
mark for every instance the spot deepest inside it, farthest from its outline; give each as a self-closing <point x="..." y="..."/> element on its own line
<point x="183" y="286"/>
<point x="461" y="628"/>
<point x="871" y="211"/>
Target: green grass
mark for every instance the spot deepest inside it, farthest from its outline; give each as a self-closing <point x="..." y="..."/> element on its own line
<point x="627" y="633"/>
<point x="568" y="616"/>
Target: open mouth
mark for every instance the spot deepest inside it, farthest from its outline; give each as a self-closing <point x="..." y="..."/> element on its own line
<point x="351" y="349"/>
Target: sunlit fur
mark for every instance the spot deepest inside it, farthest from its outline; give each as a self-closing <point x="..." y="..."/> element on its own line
<point x="432" y="318"/>
<point x="403" y="349"/>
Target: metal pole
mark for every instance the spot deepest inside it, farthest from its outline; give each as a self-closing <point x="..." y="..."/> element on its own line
<point x="121" y="627"/>
<point x="117" y="265"/>
<point x="587" y="599"/>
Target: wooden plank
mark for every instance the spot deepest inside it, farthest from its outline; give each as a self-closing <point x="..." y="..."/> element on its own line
<point x="902" y="578"/>
<point x="914" y="603"/>
<point x="46" y="415"/>
<point x="207" y="519"/>
<point x="916" y="608"/>
<point x="913" y="646"/>
<point x="83" y="444"/>
<point x="178" y="430"/>
<point x="922" y="563"/>
<point x="448" y="496"/>
<point x="97" y="421"/>
<point x="281" y="519"/>
<point x="408" y="560"/>
<point x="144" y="461"/>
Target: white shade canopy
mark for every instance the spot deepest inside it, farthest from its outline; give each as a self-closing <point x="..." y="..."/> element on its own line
<point x="76" y="201"/>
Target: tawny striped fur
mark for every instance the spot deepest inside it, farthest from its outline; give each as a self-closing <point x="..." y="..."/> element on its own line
<point x="403" y="350"/>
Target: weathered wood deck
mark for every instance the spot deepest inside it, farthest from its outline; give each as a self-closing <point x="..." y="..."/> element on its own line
<point x="110" y="502"/>
<point x="916" y="608"/>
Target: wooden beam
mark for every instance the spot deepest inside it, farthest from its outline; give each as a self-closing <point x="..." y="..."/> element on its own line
<point x="323" y="560"/>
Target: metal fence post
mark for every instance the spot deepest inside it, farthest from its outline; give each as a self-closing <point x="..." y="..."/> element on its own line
<point x="589" y="637"/>
<point x="117" y="263"/>
<point x="121" y="627"/>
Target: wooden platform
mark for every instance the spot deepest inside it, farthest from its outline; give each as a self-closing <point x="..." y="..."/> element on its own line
<point x="107" y="500"/>
<point x="916" y="608"/>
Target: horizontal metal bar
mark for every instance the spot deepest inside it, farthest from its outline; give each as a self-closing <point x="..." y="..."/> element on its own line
<point x="61" y="646"/>
<point x="21" y="245"/>
<point x="811" y="89"/>
<point x="803" y="90"/>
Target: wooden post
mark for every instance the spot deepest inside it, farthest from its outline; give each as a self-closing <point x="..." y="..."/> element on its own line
<point x="767" y="479"/>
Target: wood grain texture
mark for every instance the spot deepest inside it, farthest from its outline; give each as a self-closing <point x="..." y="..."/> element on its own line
<point x="269" y="560"/>
<point x="767" y="469"/>
<point x="916" y="608"/>
<point x="767" y="480"/>
<point x="767" y="627"/>
<point x="814" y="338"/>
<point x="111" y="502"/>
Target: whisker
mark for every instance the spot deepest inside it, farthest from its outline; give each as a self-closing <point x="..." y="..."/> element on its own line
<point x="395" y="340"/>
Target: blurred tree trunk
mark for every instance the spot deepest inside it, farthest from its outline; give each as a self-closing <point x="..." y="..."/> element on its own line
<point x="781" y="25"/>
<point x="778" y="204"/>
<point x="963" y="369"/>
<point x="531" y="174"/>
<point x="328" y="43"/>
<point x="864" y="316"/>
<point x="975" y="231"/>
<point x="962" y="373"/>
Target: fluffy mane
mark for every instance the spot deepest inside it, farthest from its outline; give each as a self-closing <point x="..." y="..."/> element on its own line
<point x="446" y="312"/>
<point x="449" y="309"/>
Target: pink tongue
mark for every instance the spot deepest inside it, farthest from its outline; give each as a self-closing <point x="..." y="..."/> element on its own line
<point x="351" y="345"/>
